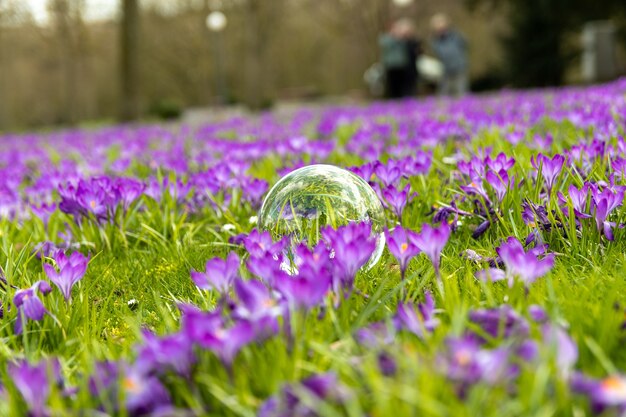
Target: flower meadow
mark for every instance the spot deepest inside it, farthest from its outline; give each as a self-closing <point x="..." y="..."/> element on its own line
<point x="134" y="280"/>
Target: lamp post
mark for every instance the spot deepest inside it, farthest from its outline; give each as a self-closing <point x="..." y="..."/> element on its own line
<point x="216" y="22"/>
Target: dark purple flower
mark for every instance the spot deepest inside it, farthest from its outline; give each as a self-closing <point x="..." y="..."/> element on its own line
<point x="29" y="305"/>
<point x="34" y="382"/>
<point x="219" y="274"/>
<point x="71" y="270"/>
<point x="431" y="241"/>
<point x="387" y="364"/>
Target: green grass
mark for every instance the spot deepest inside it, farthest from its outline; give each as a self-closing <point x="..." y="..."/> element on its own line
<point x="150" y="257"/>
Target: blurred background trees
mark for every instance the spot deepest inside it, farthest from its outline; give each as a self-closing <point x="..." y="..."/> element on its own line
<point x="542" y="39"/>
<point x="157" y="56"/>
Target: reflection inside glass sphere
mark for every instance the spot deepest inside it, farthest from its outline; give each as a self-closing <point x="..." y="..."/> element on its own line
<point x="313" y="197"/>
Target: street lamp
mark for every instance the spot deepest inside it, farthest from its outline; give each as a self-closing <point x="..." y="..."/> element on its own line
<point x="402" y="3"/>
<point x="216" y="22"/>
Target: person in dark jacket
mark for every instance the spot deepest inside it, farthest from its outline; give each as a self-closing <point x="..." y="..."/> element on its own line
<point x="399" y="51"/>
<point x="450" y="47"/>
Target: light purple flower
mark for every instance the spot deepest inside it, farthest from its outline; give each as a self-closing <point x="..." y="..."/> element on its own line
<point x="604" y="202"/>
<point x="219" y="274"/>
<point x="71" y="270"/>
<point x="34" y="382"/>
<point x="525" y="266"/>
<point x="159" y="354"/>
<point x="29" y="305"/>
<point x="549" y="168"/>
<point x="431" y="240"/>
<point x="417" y="321"/>
<point x="397" y="199"/>
<point x="352" y="246"/>
<point x="565" y="349"/>
<point x="402" y="247"/>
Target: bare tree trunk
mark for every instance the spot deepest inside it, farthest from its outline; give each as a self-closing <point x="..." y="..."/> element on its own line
<point x="254" y="55"/>
<point x="129" y="62"/>
<point x="3" y="90"/>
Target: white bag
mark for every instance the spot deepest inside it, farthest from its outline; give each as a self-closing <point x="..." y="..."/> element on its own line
<point x="429" y="68"/>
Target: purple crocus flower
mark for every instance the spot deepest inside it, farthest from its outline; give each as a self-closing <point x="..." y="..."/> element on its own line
<point x="253" y="191"/>
<point x="376" y="334"/>
<point x="604" y="203"/>
<point x="259" y="244"/>
<point x="465" y="363"/>
<point x="33" y="382"/>
<point x="159" y="354"/>
<point x="431" y="241"/>
<point x="500" y="162"/>
<point x="305" y="290"/>
<point x="579" y="199"/>
<point x="499" y="181"/>
<point x="209" y="331"/>
<point x="550" y="168"/>
<point x="266" y="268"/>
<point x="501" y="322"/>
<point x="525" y="266"/>
<point x="417" y="321"/>
<point x="401" y="247"/>
<point x="607" y="393"/>
<point x="256" y="304"/>
<point x="29" y="305"/>
<point x="71" y="270"/>
<point x="537" y="313"/>
<point x="128" y="190"/>
<point x="301" y="399"/>
<point x="145" y="395"/>
<point x="387" y="174"/>
<point x="565" y="349"/>
<point x="353" y="245"/>
<point x="397" y="199"/>
<point x="219" y="274"/>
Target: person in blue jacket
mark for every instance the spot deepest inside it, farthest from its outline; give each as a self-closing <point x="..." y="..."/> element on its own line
<point x="450" y="47"/>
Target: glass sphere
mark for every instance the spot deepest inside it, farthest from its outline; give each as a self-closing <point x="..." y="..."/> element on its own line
<point x="313" y="197"/>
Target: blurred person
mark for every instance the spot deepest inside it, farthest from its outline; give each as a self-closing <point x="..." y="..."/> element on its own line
<point x="450" y="47"/>
<point x="399" y="51"/>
